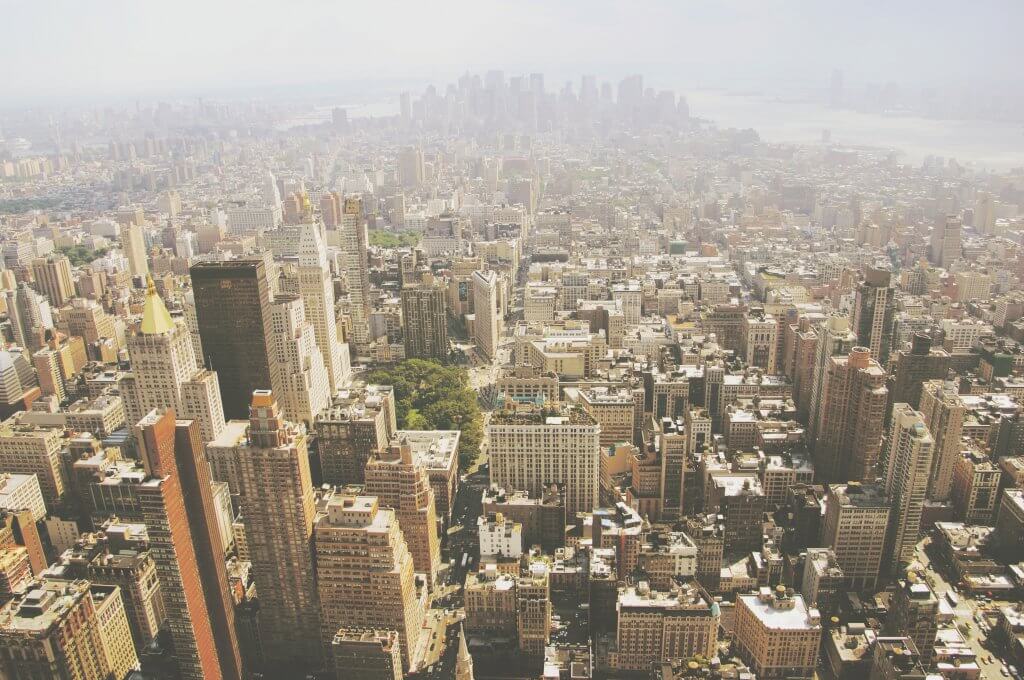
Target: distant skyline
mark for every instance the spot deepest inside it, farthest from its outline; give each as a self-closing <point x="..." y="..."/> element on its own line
<point x="61" y="50"/>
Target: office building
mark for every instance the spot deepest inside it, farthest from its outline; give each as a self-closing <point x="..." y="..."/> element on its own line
<point x="943" y="411"/>
<point x="22" y="492"/>
<point x="233" y="310"/>
<point x="944" y="247"/>
<point x="911" y="368"/>
<point x="166" y="374"/>
<point x="360" y="422"/>
<point x="851" y="418"/>
<point x="873" y="313"/>
<point x="365" y="573"/>
<point x="907" y="468"/>
<point x="394" y="478"/>
<point x="532" y="449"/>
<point x="27" y="449"/>
<point x="65" y="629"/>
<point x="425" y="320"/>
<point x="276" y="500"/>
<point x="914" y="613"/>
<point x="367" y="654"/>
<point x="352" y="237"/>
<point x="133" y="242"/>
<point x="317" y="290"/>
<point x="776" y="634"/>
<point x="52" y="276"/>
<point x="305" y="387"/>
<point x="487" y="324"/>
<point x="856" y="522"/>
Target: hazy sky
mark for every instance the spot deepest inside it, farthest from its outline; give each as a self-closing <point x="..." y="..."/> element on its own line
<point x="58" y="48"/>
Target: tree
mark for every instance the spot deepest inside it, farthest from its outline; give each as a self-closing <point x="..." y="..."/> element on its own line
<point x="430" y="396"/>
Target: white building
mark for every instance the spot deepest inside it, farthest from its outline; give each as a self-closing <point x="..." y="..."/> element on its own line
<point x="22" y="492"/>
<point x="499" y="536"/>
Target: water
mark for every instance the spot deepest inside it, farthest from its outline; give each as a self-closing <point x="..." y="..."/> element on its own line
<point x="997" y="146"/>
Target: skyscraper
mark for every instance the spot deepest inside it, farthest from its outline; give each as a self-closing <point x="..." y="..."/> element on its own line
<point x="305" y="388"/>
<point x="485" y="303"/>
<point x="275" y="493"/>
<point x="353" y="239"/>
<point x="856" y="521"/>
<point x="365" y="573"/>
<point x="165" y="373"/>
<point x="410" y="167"/>
<point x="911" y="368"/>
<point x="833" y="338"/>
<point x="233" y="311"/>
<point x="317" y="291"/>
<point x="907" y="465"/>
<point x="874" y="312"/>
<point x="134" y="244"/>
<point x="52" y="275"/>
<point x="944" y="247"/>
<point x="943" y="412"/>
<point x="402" y="485"/>
<point x="173" y="544"/>
<point x="425" y="318"/>
<point x="851" y="419"/>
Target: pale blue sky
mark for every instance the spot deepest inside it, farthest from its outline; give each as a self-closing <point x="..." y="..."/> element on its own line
<point x="120" y="47"/>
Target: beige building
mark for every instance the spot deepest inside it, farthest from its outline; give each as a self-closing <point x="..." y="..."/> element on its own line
<point x="134" y="243"/>
<point x="776" y="634"/>
<point x="367" y="654"/>
<point x="277" y="503"/>
<point x="34" y="450"/>
<point x="659" y="626"/>
<point x="365" y="573"/>
<point x="908" y="464"/>
<point x="486" y="326"/>
<point x="359" y="423"/>
<point x="856" y="522"/>
<point x="943" y="411"/>
<point x="60" y="629"/>
<point x="397" y="482"/>
<point x="533" y="608"/>
<point x="305" y="388"/>
<point x="52" y="276"/>
<point x="613" y="409"/>
<point x="166" y="372"/>
<point x="532" y="448"/>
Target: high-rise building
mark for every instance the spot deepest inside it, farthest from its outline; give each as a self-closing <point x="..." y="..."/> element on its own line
<point x="944" y="247"/>
<point x="177" y="548"/>
<point x="30" y="449"/>
<point x="911" y="368"/>
<point x="365" y="573"/>
<point x="856" y="522"/>
<point x="833" y="339"/>
<point x="330" y="209"/>
<point x="317" y="291"/>
<point x="402" y="485"/>
<point x="532" y="449"/>
<point x="353" y="239"/>
<point x="165" y="373"/>
<point x="425" y="318"/>
<point x="275" y="494"/>
<point x="305" y="388"/>
<point x="410" y="167"/>
<point x="30" y="315"/>
<point x="907" y="468"/>
<point x="359" y="423"/>
<point x="134" y="244"/>
<point x="873" y="313"/>
<point x="52" y="276"/>
<point x="66" y="629"/>
<point x="776" y="634"/>
<point x="485" y="303"/>
<point x="943" y="411"/>
<point x="914" y="612"/>
<point x="851" y="418"/>
<point x="233" y="311"/>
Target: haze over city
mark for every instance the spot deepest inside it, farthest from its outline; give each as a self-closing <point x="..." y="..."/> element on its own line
<point x="512" y="341"/>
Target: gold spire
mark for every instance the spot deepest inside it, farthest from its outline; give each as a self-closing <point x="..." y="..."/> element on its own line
<point x="155" y="317"/>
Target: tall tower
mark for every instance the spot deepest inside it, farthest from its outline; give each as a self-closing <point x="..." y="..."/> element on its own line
<point x="134" y="243"/>
<point x="943" y="412"/>
<point x="173" y="545"/>
<point x="165" y="373"/>
<point x="233" y="312"/>
<point x="485" y="303"/>
<point x="874" y="312"/>
<point x="317" y="291"/>
<point x="398" y="483"/>
<point x="945" y="245"/>
<point x="425" y="317"/>
<point x="849" y="438"/>
<point x="908" y="462"/>
<point x="833" y="338"/>
<point x="305" y="388"/>
<point x="52" y="275"/>
<point x="276" y="497"/>
<point x="353" y="239"/>
<point x="366" y="573"/>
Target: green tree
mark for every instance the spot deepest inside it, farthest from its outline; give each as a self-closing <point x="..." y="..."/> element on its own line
<point x="430" y="396"/>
